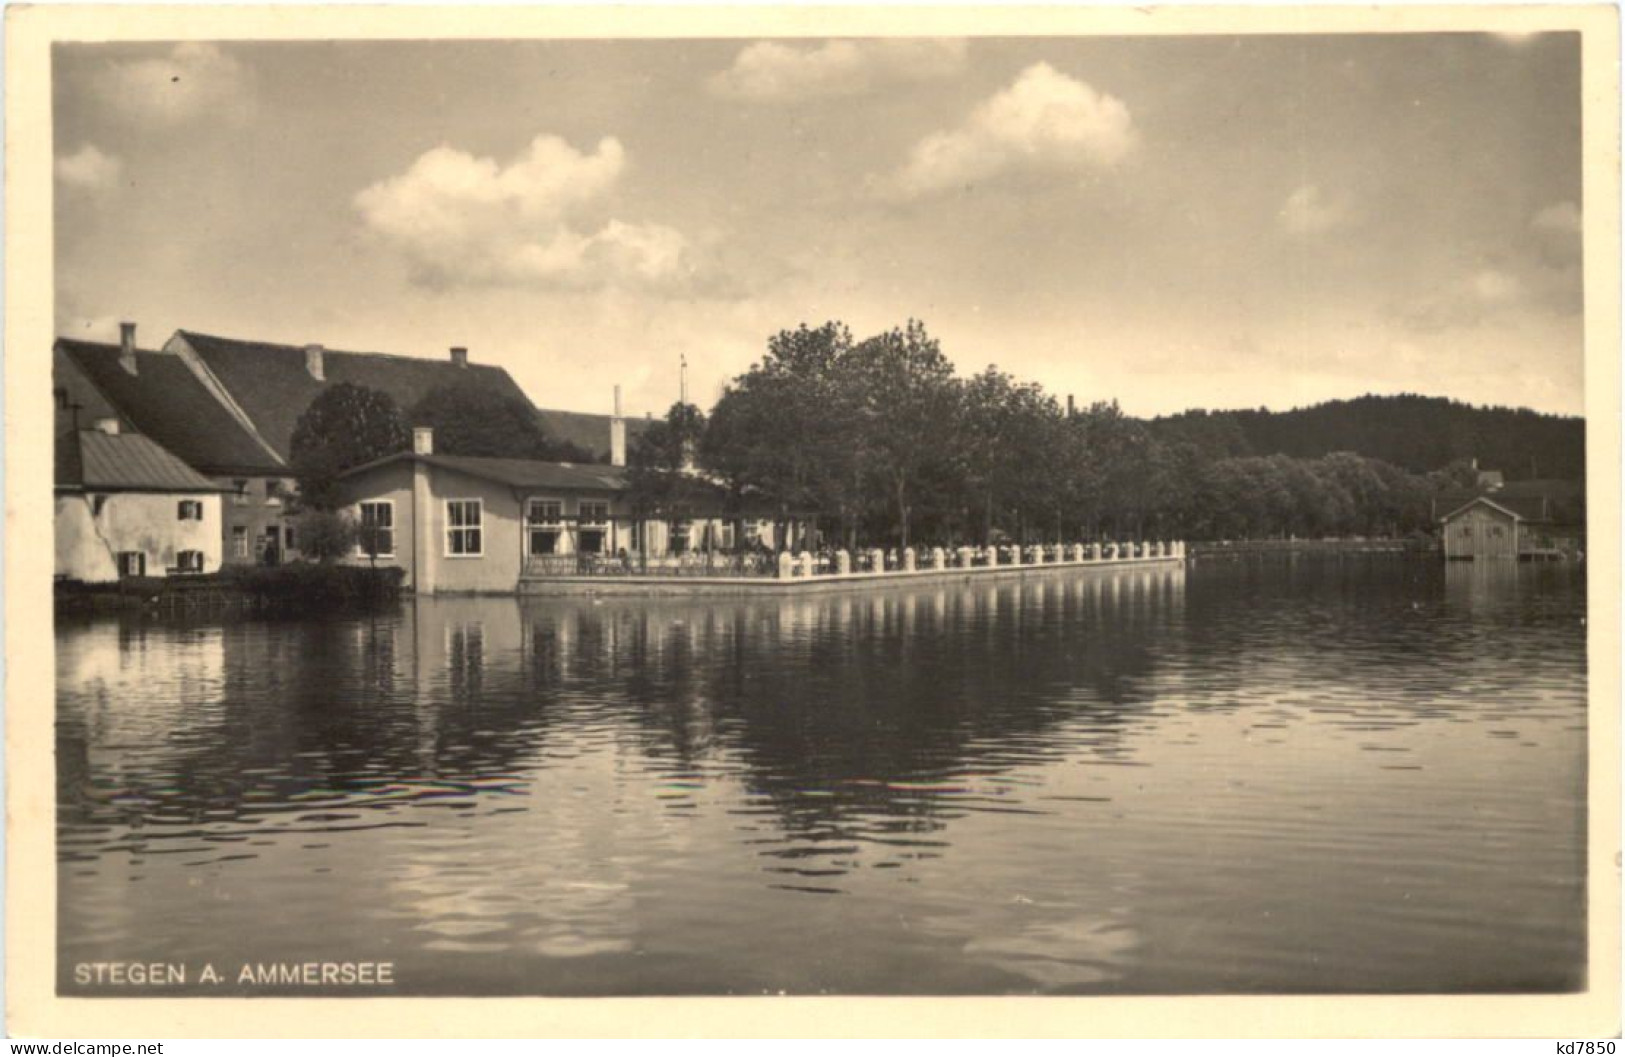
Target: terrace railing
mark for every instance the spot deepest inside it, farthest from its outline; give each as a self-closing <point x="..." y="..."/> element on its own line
<point x="805" y="565"/>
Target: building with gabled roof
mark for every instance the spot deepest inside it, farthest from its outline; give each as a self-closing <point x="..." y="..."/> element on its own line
<point x="125" y="507"/>
<point x="1512" y="519"/>
<point x="164" y="397"/>
<point x="267" y="386"/>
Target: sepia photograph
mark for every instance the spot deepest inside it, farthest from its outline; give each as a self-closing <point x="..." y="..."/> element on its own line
<point x="938" y="511"/>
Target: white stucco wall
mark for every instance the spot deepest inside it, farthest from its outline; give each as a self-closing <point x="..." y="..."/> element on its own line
<point x="87" y="543"/>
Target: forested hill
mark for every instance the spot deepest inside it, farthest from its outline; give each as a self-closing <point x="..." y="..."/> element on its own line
<point x="1419" y="433"/>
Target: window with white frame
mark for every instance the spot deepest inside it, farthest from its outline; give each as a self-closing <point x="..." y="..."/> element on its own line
<point x="594" y="519"/>
<point x="239" y="541"/>
<point x="189" y="510"/>
<point x="239" y="493"/>
<point x="376" y="537"/>
<point x="132" y="563"/>
<point x="465" y="537"/>
<point x="544" y="520"/>
<point x="274" y="492"/>
<point x="187" y="562"/>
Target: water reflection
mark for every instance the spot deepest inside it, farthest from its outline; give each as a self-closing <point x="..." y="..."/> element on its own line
<point x="1262" y="776"/>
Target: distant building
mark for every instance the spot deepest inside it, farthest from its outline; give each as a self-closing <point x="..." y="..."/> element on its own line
<point x="1514" y="519"/>
<point x="126" y="507"/>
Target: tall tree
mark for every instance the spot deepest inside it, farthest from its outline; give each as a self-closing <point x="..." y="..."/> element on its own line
<point x="659" y="466"/>
<point x="345" y="426"/>
<point x="902" y="387"/>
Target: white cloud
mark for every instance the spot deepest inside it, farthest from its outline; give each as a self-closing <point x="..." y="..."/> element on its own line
<point x="194" y="81"/>
<point x="1557" y="232"/>
<point x="458" y="220"/>
<point x="1493" y="287"/>
<point x="1045" y="124"/>
<point x="1307" y="211"/>
<point x="1562" y="218"/>
<point x="1499" y="294"/>
<point x="769" y="70"/>
<point x="88" y="169"/>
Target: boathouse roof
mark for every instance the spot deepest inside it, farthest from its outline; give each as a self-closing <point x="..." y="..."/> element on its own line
<point x="1539" y="500"/>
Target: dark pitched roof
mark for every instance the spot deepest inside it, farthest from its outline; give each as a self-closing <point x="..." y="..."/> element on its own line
<point x="1535" y="500"/>
<point x="586" y="430"/>
<point x="1450" y="510"/>
<point x="93" y="460"/>
<point x="273" y="387"/>
<point x="165" y="401"/>
<point x="520" y="473"/>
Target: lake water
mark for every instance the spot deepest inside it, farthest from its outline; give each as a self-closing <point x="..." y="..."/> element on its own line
<point x="1267" y="775"/>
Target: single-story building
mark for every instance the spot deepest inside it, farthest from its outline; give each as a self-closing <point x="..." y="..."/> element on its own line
<point x="464" y="523"/>
<point x="1482" y="528"/>
<point x="127" y="507"/>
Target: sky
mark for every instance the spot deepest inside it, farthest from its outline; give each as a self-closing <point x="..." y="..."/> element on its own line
<point x="1170" y="222"/>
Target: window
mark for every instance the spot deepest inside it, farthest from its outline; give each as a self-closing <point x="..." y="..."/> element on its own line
<point x="377" y="536"/>
<point x="239" y="496"/>
<point x="189" y="510"/>
<point x="188" y="562"/>
<point x="543" y="520"/>
<point x="725" y="536"/>
<point x="594" y="519"/>
<point x="132" y="563"/>
<point x="464" y="521"/>
<point x="679" y="538"/>
<point x="239" y="541"/>
<point x="287" y="537"/>
<point x="273" y="493"/>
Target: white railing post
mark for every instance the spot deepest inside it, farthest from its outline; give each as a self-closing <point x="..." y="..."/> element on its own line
<point x="787" y="565"/>
<point x="805" y="561"/>
<point x="939" y="558"/>
<point x="843" y="563"/>
<point x="877" y="560"/>
<point x="908" y="559"/>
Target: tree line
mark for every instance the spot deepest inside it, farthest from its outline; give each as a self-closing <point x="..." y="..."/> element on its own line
<point x="1416" y="433"/>
<point x="881" y="441"/>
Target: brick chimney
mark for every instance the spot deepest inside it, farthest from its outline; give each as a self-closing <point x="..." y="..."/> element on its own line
<point x="423" y="440"/>
<point x="108" y="426"/>
<point x="313" y="362"/>
<point x="126" y="347"/>
<point x="617" y="434"/>
<point x="459" y="355"/>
